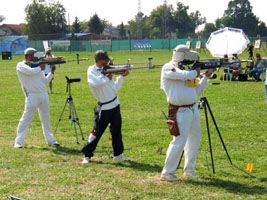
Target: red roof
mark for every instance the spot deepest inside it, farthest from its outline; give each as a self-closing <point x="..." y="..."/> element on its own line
<point x="16" y="28"/>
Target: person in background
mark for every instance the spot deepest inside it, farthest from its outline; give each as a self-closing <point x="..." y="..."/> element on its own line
<point x="33" y="85"/>
<point x="265" y="84"/>
<point x="49" y="68"/>
<point x="105" y="89"/>
<point x="183" y="119"/>
<point x="235" y="68"/>
<point x="260" y="65"/>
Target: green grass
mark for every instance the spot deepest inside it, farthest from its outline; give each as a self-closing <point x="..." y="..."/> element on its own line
<point x="41" y="172"/>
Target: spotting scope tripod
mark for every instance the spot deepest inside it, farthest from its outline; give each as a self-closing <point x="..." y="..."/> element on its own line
<point x="204" y="104"/>
<point x="73" y="117"/>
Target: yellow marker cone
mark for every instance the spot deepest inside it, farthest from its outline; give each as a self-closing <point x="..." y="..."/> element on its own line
<point x="250" y="167"/>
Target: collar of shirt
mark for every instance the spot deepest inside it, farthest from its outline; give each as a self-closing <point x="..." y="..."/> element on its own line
<point x="98" y="68"/>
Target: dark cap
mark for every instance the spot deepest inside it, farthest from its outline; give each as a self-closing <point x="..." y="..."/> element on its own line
<point x="101" y="55"/>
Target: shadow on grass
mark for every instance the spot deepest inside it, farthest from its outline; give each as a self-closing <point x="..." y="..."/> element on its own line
<point x="66" y="151"/>
<point x="139" y="166"/>
<point x="230" y="186"/>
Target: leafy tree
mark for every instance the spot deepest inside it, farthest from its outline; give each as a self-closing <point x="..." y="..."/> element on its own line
<point x="45" y="20"/>
<point x="262" y="30"/>
<point x="208" y="29"/>
<point x="2" y="18"/>
<point x="76" y="28"/>
<point x="122" y="31"/>
<point x="132" y="28"/>
<point x="239" y="15"/>
<point x="161" y="21"/>
<point x="186" y="23"/>
<point x="96" y="25"/>
<point x="84" y="25"/>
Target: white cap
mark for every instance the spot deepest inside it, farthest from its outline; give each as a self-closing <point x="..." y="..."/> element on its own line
<point x="29" y="51"/>
<point x="38" y="55"/>
<point x="182" y="52"/>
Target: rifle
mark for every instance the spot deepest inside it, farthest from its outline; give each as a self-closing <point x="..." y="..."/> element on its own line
<point x="51" y="61"/>
<point x="121" y="68"/>
<point x="212" y="63"/>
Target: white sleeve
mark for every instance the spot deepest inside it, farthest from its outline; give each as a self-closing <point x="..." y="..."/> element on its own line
<point x="175" y="73"/>
<point x="48" y="78"/>
<point x="202" y="85"/>
<point x="25" y="69"/>
<point x="118" y="82"/>
<point x="95" y="79"/>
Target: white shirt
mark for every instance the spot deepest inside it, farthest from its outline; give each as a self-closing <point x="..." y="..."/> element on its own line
<point x="176" y="87"/>
<point x="32" y="80"/>
<point x="104" y="89"/>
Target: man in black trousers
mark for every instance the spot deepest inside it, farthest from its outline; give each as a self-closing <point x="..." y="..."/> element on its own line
<point x="105" y="89"/>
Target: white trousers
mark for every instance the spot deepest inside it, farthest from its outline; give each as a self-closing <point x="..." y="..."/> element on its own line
<point x="34" y="102"/>
<point x="189" y="140"/>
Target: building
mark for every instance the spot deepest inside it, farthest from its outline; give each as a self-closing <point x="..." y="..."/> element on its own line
<point x="11" y="29"/>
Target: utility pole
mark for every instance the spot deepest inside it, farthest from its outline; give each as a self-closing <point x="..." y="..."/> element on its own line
<point x="139" y="18"/>
<point x="164" y="18"/>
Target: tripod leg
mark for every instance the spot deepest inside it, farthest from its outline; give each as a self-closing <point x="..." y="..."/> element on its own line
<point x="78" y="122"/>
<point x="180" y="160"/>
<point x="208" y="131"/>
<point x="217" y="129"/>
<point x="61" y="116"/>
<point x="73" y="119"/>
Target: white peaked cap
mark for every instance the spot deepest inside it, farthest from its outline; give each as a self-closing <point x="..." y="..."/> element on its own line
<point x="182" y="52"/>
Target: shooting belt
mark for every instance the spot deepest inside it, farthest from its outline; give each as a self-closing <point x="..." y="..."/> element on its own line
<point x="97" y="113"/>
<point x="172" y="122"/>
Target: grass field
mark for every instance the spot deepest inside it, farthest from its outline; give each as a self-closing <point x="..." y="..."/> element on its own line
<point x="41" y="172"/>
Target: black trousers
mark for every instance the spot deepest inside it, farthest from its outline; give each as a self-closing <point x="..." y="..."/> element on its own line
<point x="112" y="117"/>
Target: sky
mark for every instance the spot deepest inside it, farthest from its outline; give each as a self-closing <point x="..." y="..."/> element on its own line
<point x="118" y="11"/>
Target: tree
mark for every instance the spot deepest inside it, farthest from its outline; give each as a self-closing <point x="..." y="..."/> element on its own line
<point x="239" y="15"/>
<point x="185" y="23"/>
<point x="76" y="28"/>
<point x="45" y="20"/>
<point x="2" y="18"/>
<point x="161" y="22"/>
<point x="96" y="25"/>
<point x="122" y="31"/>
<point x="208" y="29"/>
<point x="84" y="25"/>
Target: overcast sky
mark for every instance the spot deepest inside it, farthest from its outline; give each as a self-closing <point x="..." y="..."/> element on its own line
<point x="117" y="11"/>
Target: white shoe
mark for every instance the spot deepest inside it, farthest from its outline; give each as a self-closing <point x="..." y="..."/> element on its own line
<point x="86" y="160"/>
<point x="120" y="158"/>
<point x="169" y="177"/>
<point x="17" y="145"/>
<point x="189" y="176"/>
<point x="54" y="144"/>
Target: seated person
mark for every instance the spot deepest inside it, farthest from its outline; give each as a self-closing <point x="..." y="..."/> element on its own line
<point x="235" y="67"/>
<point x="259" y="67"/>
<point x="226" y="68"/>
<point x="232" y="67"/>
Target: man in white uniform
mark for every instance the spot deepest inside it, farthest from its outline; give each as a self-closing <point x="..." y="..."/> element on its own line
<point x="108" y="112"/>
<point x="182" y="89"/>
<point x="33" y="85"/>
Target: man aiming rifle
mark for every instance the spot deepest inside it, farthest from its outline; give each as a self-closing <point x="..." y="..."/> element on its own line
<point x="182" y="89"/>
<point x="108" y="109"/>
<point x="33" y="85"/>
